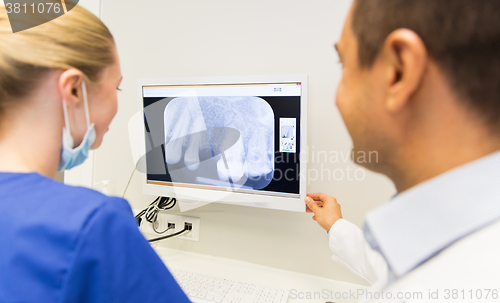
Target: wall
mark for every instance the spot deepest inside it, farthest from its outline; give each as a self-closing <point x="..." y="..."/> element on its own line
<point x="92" y="5"/>
<point x="159" y="39"/>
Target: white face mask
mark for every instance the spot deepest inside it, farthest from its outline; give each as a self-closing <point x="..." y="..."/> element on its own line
<point x="71" y="157"/>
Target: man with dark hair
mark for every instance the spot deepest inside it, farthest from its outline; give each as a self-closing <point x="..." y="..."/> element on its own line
<point x="421" y="86"/>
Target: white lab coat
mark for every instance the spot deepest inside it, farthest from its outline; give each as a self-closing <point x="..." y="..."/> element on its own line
<point x="467" y="271"/>
<point x="351" y="250"/>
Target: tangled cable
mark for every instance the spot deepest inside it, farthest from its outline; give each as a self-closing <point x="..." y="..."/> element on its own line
<point x="151" y="212"/>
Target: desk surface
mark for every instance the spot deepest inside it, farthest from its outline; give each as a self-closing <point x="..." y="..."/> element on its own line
<point x="303" y="288"/>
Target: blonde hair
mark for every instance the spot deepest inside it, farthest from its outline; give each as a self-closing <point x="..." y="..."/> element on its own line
<point x="77" y="39"/>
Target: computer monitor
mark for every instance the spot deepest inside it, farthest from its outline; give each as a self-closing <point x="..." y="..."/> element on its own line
<point x="235" y="140"/>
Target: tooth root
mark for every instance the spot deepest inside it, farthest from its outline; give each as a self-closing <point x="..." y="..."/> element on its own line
<point x="258" y="161"/>
<point x="236" y="170"/>
<point x="192" y="156"/>
<point x="222" y="171"/>
<point x="173" y="151"/>
<point x="235" y="157"/>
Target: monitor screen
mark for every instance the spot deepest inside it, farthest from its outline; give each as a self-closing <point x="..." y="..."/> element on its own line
<point x="230" y="140"/>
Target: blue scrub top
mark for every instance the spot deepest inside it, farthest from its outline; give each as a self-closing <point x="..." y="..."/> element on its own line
<point x="60" y="243"/>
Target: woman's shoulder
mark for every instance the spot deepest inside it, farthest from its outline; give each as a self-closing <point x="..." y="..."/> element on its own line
<point x="43" y="201"/>
<point x="52" y="228"/>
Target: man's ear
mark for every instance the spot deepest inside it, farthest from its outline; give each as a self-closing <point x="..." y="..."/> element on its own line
<point x="407" y="58"/>
<point x="70" y="86"/>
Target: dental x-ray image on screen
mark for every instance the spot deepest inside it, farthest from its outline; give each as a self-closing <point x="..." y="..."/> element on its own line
<point x="220" y="141"/>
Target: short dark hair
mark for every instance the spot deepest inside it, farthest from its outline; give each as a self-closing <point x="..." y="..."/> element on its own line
<point x="462" y="36"/>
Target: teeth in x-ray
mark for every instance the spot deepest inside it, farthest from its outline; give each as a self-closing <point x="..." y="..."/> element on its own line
<point x="192" y="156"/>
<point x="235" y="163"/>
<point x="220" y="118"/>
<point x="258" y="161"/>
<point x="188" y="119"/>
<point x="173" y="152"/>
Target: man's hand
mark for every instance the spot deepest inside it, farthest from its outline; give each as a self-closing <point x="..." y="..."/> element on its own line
<point x="326" y="209"/>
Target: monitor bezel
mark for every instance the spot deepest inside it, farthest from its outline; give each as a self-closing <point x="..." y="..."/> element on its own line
<point x="233" y="198"/>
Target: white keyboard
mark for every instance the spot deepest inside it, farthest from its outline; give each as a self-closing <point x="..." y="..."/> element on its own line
<point x="208" y="289"/>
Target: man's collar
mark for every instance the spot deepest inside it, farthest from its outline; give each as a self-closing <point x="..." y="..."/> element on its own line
<point x="420" y="222"/>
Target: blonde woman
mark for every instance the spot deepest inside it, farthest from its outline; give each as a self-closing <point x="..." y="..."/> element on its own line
<point x="59" y="243"/>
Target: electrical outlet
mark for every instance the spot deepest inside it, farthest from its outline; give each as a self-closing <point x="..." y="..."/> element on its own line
<point x="194" y="234"/>
<point x="179" y="222"/>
